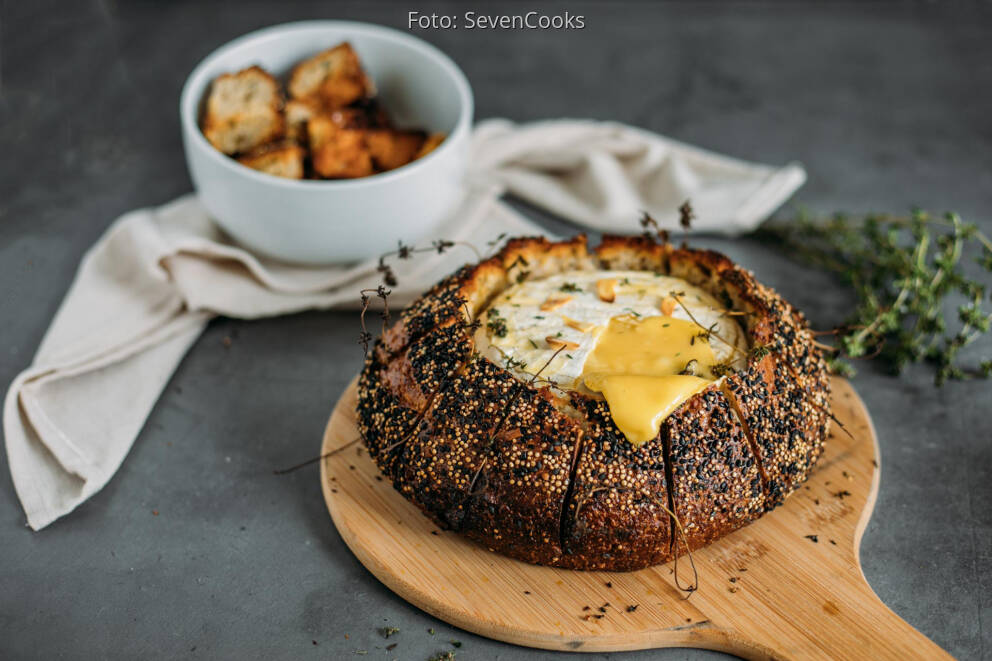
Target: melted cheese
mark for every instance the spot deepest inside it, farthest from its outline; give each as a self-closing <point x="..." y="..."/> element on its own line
<point x="637" y="365"/>
<point x="627" y="340"/>
<point x="652" y="346"/>
<point x="639" y="404"/>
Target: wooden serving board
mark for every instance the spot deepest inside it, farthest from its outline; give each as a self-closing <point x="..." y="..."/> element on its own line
<point x="788" y="586"/>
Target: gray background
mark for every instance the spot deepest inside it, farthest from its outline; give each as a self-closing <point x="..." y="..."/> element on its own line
<point x="886" y="105"/>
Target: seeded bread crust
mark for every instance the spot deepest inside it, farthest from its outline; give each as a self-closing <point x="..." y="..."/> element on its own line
<point x="544" y="475"/>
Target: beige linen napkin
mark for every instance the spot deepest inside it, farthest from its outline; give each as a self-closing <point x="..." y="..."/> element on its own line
<point x="145" y="291"/>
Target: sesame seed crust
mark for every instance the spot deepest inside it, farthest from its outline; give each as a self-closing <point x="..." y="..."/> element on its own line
<point x="517" y="503"/>
<point x="714" y="474"/>
<point x="616" y="519"/>
<point x="545" y="476"/>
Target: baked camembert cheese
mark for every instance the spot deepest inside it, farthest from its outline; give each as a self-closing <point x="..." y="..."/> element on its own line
<point x="575" y="407"/>
<point x="644" y="341"/>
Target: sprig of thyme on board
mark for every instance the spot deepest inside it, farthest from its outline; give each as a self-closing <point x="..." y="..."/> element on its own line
<point x="907" y="273"/>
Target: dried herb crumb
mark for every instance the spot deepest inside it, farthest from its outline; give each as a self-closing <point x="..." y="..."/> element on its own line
<point x="570" y="287"/>
<point x="841" y="494"/>
<point x="456" y="643"/>
<point x="812" y="538"/>
<point x="443" y="656"/>
<point x="609" y="584"/>
<point x="759" y="351"/>
<point x="391" y="646"/>
<point x="631" y="608"/>
<point x="314" y="642"/>
<point x="733" y="579"/>
<point x="722" y="369"/>
<point x="386" y="632"/>
<point x="586" y="608"/>
<point x="496" y="323"/>
<point x="526" y="591"/>
<point x="430" y="631"/>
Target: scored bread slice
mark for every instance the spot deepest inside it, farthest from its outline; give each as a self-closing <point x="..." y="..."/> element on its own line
<point x="243" y="111"/>
<point x="281" y="160"/>
<point x="334" y="78"/>
<point x="616" y="513"/>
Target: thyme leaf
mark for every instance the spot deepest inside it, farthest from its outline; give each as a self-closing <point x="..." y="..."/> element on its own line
<point x="907" y="274"/>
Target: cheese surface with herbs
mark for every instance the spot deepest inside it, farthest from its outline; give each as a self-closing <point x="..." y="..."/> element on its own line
<point x="644" y="342"/>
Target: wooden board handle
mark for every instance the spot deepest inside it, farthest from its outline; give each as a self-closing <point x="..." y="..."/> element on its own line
<point x="852" y="623"/>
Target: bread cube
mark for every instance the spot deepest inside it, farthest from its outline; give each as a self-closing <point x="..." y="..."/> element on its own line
<point x="334" y="78"/>
<point x="337" y="152"/>
<point x="282" y="160"/>
<point x="391" y="149"/>
<point x="432" y="142"/>
<point x="243" y="111"/>
<point x="298" y="113"/>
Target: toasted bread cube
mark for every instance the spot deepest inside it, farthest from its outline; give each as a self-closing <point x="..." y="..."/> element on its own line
<point x="243" y="111"/>
<point x="298" y="113"/>
<point x="432" y="142"/>
<point x="350" y="118"/>
<point x="392" y="149"/>
<point x="283" y="160"/>
<point x="338" y="153"/>
<point x="375" y="116"/>
<point x="334" y="77"/>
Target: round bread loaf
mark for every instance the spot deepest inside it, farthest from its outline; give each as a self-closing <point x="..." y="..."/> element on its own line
<point x="535" y="466"/>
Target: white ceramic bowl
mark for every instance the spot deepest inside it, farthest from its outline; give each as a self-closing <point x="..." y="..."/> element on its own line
<point x="321" y="222"/>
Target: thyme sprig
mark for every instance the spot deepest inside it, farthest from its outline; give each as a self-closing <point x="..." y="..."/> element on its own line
<point x="406" y="251"/>
<point x="389" y="279"/>
<point x="907" y="274"/>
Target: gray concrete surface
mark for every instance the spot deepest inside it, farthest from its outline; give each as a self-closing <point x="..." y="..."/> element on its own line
<point x="886" y="105"/>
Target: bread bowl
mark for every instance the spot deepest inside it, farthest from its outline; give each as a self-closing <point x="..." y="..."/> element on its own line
<point x="582" y="434"/>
